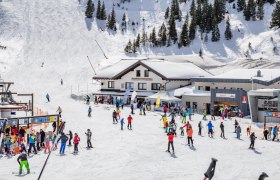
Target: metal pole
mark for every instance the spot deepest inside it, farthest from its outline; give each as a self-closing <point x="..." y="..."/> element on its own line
<point x="32" y="106"/>
<point x="91" y="65"/>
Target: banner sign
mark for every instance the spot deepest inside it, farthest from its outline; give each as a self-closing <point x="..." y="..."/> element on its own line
<point x="9" y="122"/>
<point x="223" y="95"/>
<point x="40" y="120"/>
<point x="158" y="102"/>
<point x="23" y="121"/>
<point x="267" y="114"/>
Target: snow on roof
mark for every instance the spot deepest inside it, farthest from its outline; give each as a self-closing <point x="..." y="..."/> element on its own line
<point x="247" y="74"/>
<point x="189" y="91"/>
<point x="163" y="96"/>
<point x="264" y="92"/>
<point x="170" y="70"/>
<point x="176" y="70"/>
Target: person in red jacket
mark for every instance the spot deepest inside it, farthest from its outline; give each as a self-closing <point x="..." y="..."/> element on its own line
<point x="129" y="120"/>
<point x="170" y="141"/>
<point x="76" y="141"/>
<point x="187" y="125"/>
<point x="165" y="109"/>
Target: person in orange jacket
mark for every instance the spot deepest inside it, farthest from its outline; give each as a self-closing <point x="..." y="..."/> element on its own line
<point x="190" y="134"/>
<point x="129" y="120"/>
<point x="76" y="141"/>
<point x="170" y="141"/>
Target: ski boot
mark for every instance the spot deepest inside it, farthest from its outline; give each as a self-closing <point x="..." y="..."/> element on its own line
<point x="20" y="172"/>
<point x="28" y="171"/>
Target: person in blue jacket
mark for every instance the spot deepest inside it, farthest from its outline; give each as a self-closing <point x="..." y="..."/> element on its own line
<point x="275" y="131"/>
<point x="210" y="129"/>
<point x="32" y="139"/>
<point x="122" y="123"/>
<point x="190" y="112"/>
<point x="64" y="140"/>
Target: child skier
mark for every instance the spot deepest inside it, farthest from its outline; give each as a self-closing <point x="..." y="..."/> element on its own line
<point x="118" y="114"/>
<point x="22" y="160"/>
<point x="164" y="119"/>
<point x="252" y="138"/>
<point x="47" y="144"/>
<point x="129" y="120"/>
<point x="76" y="142"/>
<point x="170" y="141"/>
<point x="182" y="131"/>
<point x="190" y="134"/>
<point x="122" y="123"/>
<point x="210" y="129"/>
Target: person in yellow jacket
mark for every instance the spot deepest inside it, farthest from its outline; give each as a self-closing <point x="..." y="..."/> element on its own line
<point x="164" y="119"/>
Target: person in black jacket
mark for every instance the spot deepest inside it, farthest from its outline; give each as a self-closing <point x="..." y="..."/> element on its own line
<point x="42" y="138"/>
<point x="89" y="134"/>
<point x="252" y="138"/>
<point x="54" y="126"/>
<point x="70" y="137"/>
<point x="22" y="132"/>
<point x="115" y="117"/>
<point x="222" y="130"/>
<point x="22" y="160"/>
<point x="132" y="108"/>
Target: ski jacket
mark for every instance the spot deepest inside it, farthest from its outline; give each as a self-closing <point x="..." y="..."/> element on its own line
<point x="122" y="121"/>
<point x="199" y="125"/>
<point x="76" y="140"/>
<point x="252" y="137"/>
<point x="129" y="119"/>
<point x="165" y="108"/>
<point x="114" y="114"/>
<point x="275" y="131"/>
<point x="22" y="157"/>
<point x="32" y="139"/>
<point x="190" y="112"/>
<point x="222" y="126"/>
<point x="22" y="132"/>
<point x="187" y="126"/>
<point x="63" y="138"/>
<point x="89" y="110"/>
<point x="190" y="132"/>
<point x="210" y="125"/>
<point x="89" y="133"/>
<point x="170" y="137"/>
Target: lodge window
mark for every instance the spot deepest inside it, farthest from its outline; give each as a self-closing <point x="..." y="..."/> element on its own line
<point x="146" y="73"/>
<point x="207" y="88"/>
<point x="138" y="73"/>
<point x="156" y="86"/>
<point x="127" y="84"/>
<point x="188" y="104"/>
<point x="142" y="86"/>
<point x="111" y="84"/>
<point x="200" y="87"/>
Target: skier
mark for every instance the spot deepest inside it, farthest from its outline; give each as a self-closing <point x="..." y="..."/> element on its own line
<point x="32" y="140"/>
<point x="263" y="176"/>
<point x="70" y="138"/>
<point x="89" y="111"/>
<point x="144" y="110"/>
<point x="190" y="133"/>
<point x="132" y="108"/>
<point x="184" y="117"/>
<point x="54" y="126"/>
<point x="76" y="143"/>
<point x="89" y="134"/>
<point x="170" y="141"/>
<point x="38" y="141"/>
<point x="63" y="139"/>
<point x="59" y="110"/>
<point x="48" y="97"/>
<point x="122" y="123"/>
<point x="222" y="130"/>
<point x="87" y="99"/>
<point x="238" y="132"/>
<point x="164" y="119"/>
<point x="210" y="129"/>
<point x="114" y="117"/>
<point x="211" y="170"/>
<point x="47" y="144"/>
<point x="212" y="114"/>
<point x="199" y="128"/>
<point x="190" y="112"/>
<point x="204" y="115"/>
<point x="235" y="125"/>
<point x="275" y="131"/>
<point x="42" y="133"/>
<point x="165" y="109"/>
<point x="252" y="138"/>
<point x="187" y="125"/>
<point x="22" y="160"/>
<point x="129" y="120"/>
<point x="22" y="132"/>
<point x="265" y="134"/>
<point x="182" y="131"/>
<point x="61" y="81"/>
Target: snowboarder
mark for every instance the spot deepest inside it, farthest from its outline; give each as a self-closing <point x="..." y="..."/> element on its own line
<point x="70" y="138"/>
<point x="170" y="141"/>
<point x="115" y="117"/>
<point x="211" y="170"/>
<point x="199" y="128"/>
<point x="210" y="129"/>
<point x="48" y="97"/>
<point x="238" y="132"/>
<point x="76" y="141"/>
<point x="132" y="108"/>
<point x="59" y="110"/>
<point x="122" y="123"/>
<point x="252" y="138"/>
<point x="63" y="139"/>
<point x="222" y="130"/>
<point x="89" y="111"/>
<point x="129" y="120"/>
<point x="22" y="160"/>
<point x="190" y="133"/>
<point x="32" y="140"/>
<point x="89" y="134"/>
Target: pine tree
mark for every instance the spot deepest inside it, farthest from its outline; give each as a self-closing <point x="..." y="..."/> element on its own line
<point x="215" y="32"/>
<point x="172" y="29"/>
<point x="144" y="38"/>
<point x="200" y="53"/>
<point x="246" y="13"/>
<point x="192" y="28"/>
<point x="206" y="38"/>
<point x="153" y="38"/>
<point x="103" y="12"/>
<point x="275" y="16"/>
<point x="137" y="42"/>
<point x="198" y="15"/>
<point x="203" y="22"/>
<point x="162" y="35"/>
<point x="134" y="48"/>
<point x="209" y="19"/>
<point x="128" y="48"/>
<point x="240" y="5"/>
<point x="112" y="21"/>
<point x="90" y="9"/>
<point x="260" y="10"/>
<point x="251" y="10"/>
<point x="219" y="10"/>
<point x="124" y="21"/>
<point x="193" y="8"/>
<point x="228" y="33"/>
<point x="98" y="11"/>
<point x="166" y="16"/>
<point x="184" y="37"/>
